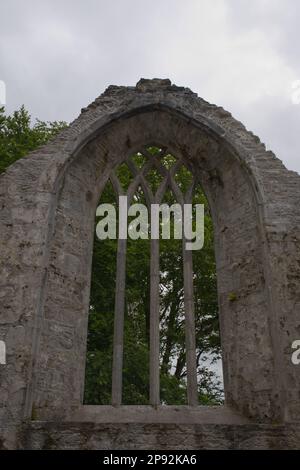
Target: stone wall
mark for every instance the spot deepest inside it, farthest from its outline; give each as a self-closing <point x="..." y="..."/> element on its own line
<point x="47" y="207"/>
<point x="135" y="436"/>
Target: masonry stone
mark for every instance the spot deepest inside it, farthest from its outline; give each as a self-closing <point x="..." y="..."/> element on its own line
<point x="47" y="207"/>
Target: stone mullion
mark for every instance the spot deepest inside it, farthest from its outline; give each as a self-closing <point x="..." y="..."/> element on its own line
<point x="189" y="306"/>
<point x="118" y="341"/>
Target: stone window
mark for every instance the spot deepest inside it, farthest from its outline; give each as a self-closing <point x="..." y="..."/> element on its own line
<point x="153" y="175"/>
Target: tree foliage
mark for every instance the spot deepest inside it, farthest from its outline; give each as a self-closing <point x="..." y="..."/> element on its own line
<point x="18" y="137"/>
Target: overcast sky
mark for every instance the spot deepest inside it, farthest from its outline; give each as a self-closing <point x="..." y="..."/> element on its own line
<point x="56" y="56"/>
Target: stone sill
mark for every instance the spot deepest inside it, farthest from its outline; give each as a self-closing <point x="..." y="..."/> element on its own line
<point x="161" y="414"/>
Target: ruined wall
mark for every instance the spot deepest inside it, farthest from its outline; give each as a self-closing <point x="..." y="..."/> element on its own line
<point x="47" y="203"/>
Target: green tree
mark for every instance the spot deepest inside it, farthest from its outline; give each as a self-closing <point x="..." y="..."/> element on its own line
<point x="19" y="137"/>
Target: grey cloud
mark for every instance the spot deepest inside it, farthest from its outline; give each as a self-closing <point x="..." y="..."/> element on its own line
<point x="57" y="56"/>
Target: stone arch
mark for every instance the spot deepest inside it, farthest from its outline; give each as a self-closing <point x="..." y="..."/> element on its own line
<point x="48" y="203"/>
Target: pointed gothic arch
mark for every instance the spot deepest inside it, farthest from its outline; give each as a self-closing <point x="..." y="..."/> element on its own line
<point x="48" y="203"/>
